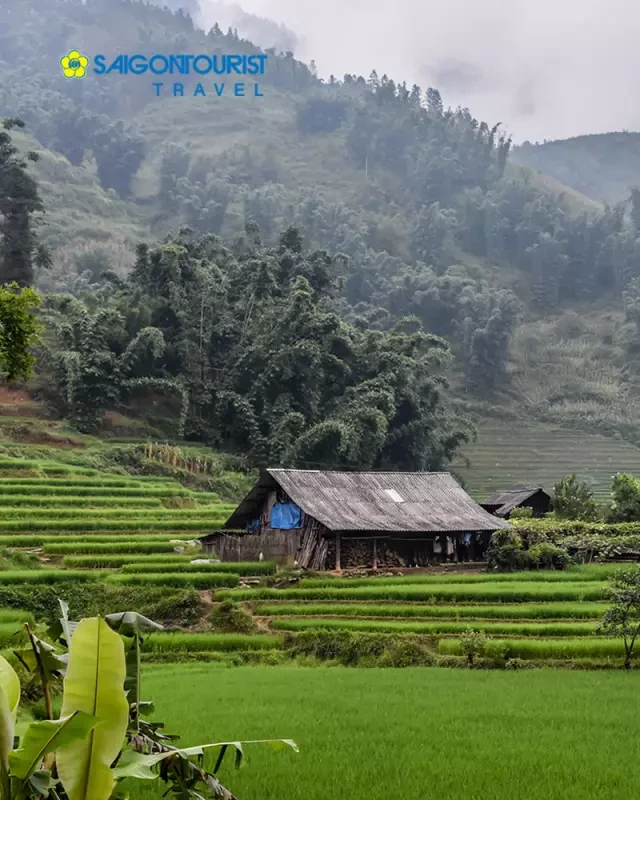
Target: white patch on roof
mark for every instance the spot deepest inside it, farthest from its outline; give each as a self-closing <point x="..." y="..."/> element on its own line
<point x="395" y="496"/>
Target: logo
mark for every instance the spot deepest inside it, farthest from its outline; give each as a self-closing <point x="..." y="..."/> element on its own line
<point x="74" y="64"/>
<point x="224" y="69"/>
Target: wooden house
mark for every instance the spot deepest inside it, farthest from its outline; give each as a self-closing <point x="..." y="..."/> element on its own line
<point x="502" y="503"/>
<point x="336" y="519"/>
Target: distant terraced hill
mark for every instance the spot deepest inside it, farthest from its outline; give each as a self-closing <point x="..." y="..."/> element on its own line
<point x="523" y="451"/>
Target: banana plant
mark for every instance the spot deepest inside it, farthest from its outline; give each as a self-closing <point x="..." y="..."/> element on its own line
<point x="101" y="736"/>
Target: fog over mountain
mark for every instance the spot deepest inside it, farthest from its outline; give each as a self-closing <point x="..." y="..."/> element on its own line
<point x="549" y="69"/>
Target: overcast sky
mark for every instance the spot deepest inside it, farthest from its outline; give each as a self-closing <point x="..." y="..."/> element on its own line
<point x="545" y="68"/>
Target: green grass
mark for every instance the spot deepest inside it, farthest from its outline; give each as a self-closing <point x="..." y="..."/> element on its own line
<point x="46" y="540"/>
<point x="109" y="547"/>
<point x="514" y="629"/>
<point x="10" y="616"/>
<point x="592" y="572"/>
<point x="177" y="642"/>
<point x="7" y="631"/>
<point x="543" y="649"/>
<point x="115" y="561"/>
<point x="69" y="500"/>
<point x="245" y="569"/>
<point x="133" y="524"/>
<point x="464" y="613"/>
<point x="97" y="482"/>
<point x="36" y="487"/>
<point x="199" y="580"/>
<point x="48" y="576"/>
<point x="432" y="593"/>
<point x="409" y="733"/>
<point x="200" y="513"/>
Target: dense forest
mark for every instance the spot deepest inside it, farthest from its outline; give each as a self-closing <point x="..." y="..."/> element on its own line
<point x="403" y="248"/>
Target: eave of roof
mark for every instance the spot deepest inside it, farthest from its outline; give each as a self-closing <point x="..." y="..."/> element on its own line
<point x="368" y="501"/>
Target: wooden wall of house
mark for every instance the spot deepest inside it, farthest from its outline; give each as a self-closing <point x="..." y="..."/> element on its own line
<point x="273" y="544"/>
<point x="540" y="503"/>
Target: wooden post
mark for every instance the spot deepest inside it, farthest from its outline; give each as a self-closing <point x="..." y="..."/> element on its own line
<point x="375" y="553"/>
<point x="337" y="552"/>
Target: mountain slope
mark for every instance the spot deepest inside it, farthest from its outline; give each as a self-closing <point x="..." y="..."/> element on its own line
<point x="429" y="217"/>
<point x="602" y="166"/>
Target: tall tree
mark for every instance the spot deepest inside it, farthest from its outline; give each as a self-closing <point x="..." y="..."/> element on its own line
<point x="19" y="202"/>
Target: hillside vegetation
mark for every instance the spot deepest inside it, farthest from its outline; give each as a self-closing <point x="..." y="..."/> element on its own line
<point x="424" y="219"/>
<point x="602" y="166"/>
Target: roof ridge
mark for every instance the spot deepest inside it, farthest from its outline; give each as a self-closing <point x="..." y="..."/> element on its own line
<point x="372" y="473"/>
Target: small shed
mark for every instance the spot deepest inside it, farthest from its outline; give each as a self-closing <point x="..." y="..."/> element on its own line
<point x="338" y="519"/>
<point x="503" y="502"/>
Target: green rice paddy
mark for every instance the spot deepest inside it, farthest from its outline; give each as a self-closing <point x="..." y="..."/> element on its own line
<point x="409" y="733"/>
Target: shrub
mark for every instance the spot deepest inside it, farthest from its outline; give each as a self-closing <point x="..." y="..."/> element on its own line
<point x="505" y="551"/>
<point x="158" y="603"/>
<point x="547" y="556"/>
<point x="228" y="618"/>
<point x="353" y="649"/>
<point x="521" y="512"/>
<point x="473" y="644"/>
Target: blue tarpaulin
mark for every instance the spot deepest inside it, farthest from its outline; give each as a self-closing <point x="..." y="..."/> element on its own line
<point x="253" y="526"/>
<point x="286" y="516"/>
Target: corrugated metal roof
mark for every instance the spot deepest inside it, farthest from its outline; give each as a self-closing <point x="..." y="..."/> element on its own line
<point x="508" y="499"/>
<point x="367" y="501"/>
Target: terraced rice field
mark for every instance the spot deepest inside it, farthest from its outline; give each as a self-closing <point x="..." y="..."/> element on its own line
<point x="546" y="616"/>
<point x="85" y="526"/>
<point x="68" y="523"/>
<point x="533" y="452"/>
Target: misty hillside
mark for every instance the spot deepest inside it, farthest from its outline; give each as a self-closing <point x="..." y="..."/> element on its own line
<point x="602" y="166"/>
<point x="424" y="213"/>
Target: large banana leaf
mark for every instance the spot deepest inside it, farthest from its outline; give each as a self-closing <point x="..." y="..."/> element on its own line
<point x="9" y="700"/>
<point x="45" y="737"/>
<point x="94" y="685"/>
<point x="138" y="766"/>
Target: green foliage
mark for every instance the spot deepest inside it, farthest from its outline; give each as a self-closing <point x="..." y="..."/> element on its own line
<point x="242" y="569"/>
<point x="199" y="580"/>
<point x="623" y="618"/>
<point x="352" y="649"/>
<point x="160" y="603"/>
<point x="506" y="591"/>
<point x="559" y="650"/>
<point x="547" y="556"/>
<point x="300" y="383"/>
<point x="101" y="736"/>
<point x="625" y="491"/>
<point x="461" y="613"/>
<point x="19" y="330"/>
<point x="521" y="512"/>
<point x="474" y="633"/>
<point x="573" y="500"/>
<point x="228" y="618"/>
<point x="158" y="644"/>
<point x="505" y="551"/>
<point x="19" y="202"/>
<point x="473" y="644"/>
